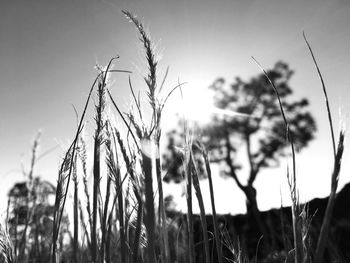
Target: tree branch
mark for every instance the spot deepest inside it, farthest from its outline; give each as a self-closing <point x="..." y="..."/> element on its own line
<point x="229" y="161"/>
<point x="253" y="171"/>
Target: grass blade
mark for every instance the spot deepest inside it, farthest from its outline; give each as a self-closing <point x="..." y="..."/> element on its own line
<point x="325" y="94"/>
<point x="298" y="241"/>
<point x="211" y="188"/>
<point x="201" y="206"/>
<point x="322" y="240"/>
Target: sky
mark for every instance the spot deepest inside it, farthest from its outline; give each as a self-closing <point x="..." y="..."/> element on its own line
<point x="48" y="50"/>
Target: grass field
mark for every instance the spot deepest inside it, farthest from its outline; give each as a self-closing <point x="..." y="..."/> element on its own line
<point x="123" y="217"/>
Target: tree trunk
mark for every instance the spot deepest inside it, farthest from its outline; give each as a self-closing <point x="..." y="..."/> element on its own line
<point x="253" y="210"/>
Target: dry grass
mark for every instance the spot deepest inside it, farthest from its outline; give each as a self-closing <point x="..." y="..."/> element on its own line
<point x="127" y="223"/>
<point x="338" y="153"/>
<point x="7" y="253"/>
<point x="300" y="222"/>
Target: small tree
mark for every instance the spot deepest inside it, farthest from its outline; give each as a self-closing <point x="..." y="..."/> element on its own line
<point x="29" y="214"/>
<point x="29" y="219"/>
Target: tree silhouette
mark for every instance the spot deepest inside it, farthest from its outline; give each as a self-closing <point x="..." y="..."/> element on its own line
<point x="258" y="133"/>
<point x="261" y="133"/>
<point x="30" y="211"/>
<point x="30" y="215"/>
<point x="173" y="157"/>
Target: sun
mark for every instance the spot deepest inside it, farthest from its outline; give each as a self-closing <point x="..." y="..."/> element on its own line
<point x="195" y="105"/>
<point x="198" y="105"/>
<point x="192" y="104"/>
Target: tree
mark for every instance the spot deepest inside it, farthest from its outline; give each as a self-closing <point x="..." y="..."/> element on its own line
<point x="261" y="133"/>
<point x="30" y="211"/>
<point x="174" y="157"/>
<point x="29" y="218"/>
<point x="258" y="132"/>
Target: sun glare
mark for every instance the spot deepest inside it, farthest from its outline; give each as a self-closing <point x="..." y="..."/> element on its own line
<point x="197" y="105"/>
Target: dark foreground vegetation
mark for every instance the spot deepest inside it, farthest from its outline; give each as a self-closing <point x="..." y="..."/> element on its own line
<point x="241" y="233"/>
<point x="122" y="217"/>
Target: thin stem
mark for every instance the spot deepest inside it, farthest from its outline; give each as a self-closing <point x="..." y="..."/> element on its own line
<point x="298" y="242"/>
<point x="215" y="220"/>
<point x="325" y="94"/>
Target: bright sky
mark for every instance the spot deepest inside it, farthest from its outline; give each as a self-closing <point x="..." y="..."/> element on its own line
<point x="48" y="50"/>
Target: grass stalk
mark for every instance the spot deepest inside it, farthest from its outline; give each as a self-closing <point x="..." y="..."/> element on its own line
<point x="31" y="198"/>
<point x="297" y="227"/>
<point x="324" y="93"/>
<point x="109" y="235"/>
<point x="139" y="218"/>
<point x="149" y="218"/>
<point x="83" y="158"/>
<point x="105" y="218"/>
<point x="75" y="213"/>
<point x="323" y="237"/>
<point x="83" y="226"/>
<point x="98" y="140"/>
<point x="66" y="167"/>
<point x="201" y="205"/>
<point x="152" y="136"/>
<point x="337" y="152"/>
<point x="190" y="225"/>
<point x="121" y="222"/>
<point x="211" y="189"/>
<point x="162" y="216"/>
<point x="138" y="228"/>
<point x="61" y="195"/>
<point x="121" y="212"/>
<point x="115" y="172"/>
<point x="137" y="193"/>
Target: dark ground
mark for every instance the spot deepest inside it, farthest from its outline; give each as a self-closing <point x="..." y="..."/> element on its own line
<point x="242" y="233"/>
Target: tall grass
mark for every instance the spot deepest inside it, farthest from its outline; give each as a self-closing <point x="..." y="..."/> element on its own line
<point x="75" y="214"/>
<point x="127" y="221"/>
<point x="194" y="173"/>
<point x="211" y="188"/>
<point x="338" y="153"/>
<point x="300" y="222"/>
<point x="296" y="211"/>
